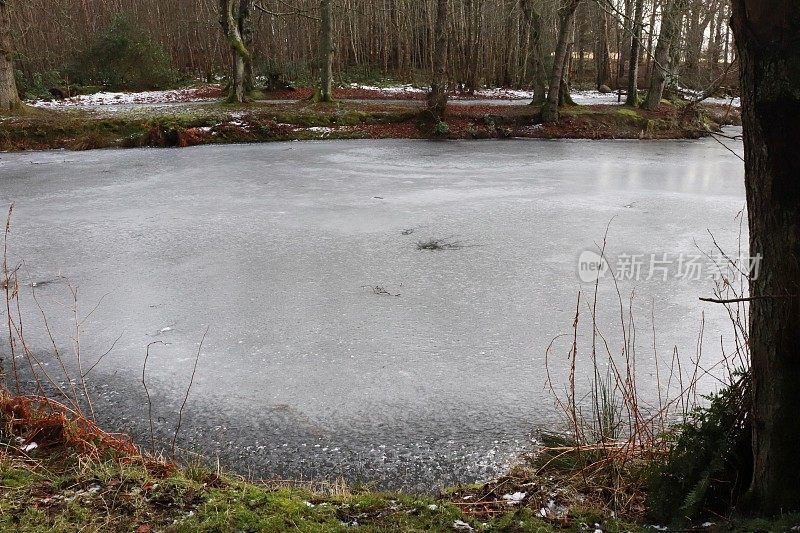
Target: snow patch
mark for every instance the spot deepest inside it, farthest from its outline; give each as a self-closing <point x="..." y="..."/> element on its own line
<point x="114" y="98"/>
<point x="514" y="498"/>
<point x="391" y="90"/>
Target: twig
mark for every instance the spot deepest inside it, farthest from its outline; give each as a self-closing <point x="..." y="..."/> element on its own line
<point x="105" y="354"/>
<point x="188" y="389"/>
<point x="742" y="300"/>
<point x="147" y="392"/>
<point x="728" y="148"/>
<point x="7" y="287"/>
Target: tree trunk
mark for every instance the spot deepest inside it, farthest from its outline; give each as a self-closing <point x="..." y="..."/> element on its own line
<point x="715" y="48"/>
<point x="437" y="97"/>
<point x="9" y="98"/>
<point x="768" y="38"/>
<point x="695" y="36"/>
<point x="326" y="51"/>
<point x="564" y="94"/>
<point x="246" y="31"/>
<point x="229" y="20"/>
<point x="636" y="47"/>
<point x="534" y="19"/>
<point x="566" y="16"/>
<point x="650" y="36"/>
<point x="602" y="55"/>
<point x="661" y="60"/>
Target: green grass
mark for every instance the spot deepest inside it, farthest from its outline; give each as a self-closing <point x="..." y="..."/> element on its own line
<point x="71" y="494"/>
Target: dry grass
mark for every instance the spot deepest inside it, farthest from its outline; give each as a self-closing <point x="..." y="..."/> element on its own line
<point x="613" y="436"/>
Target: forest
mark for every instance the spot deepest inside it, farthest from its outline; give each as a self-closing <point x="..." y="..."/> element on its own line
<point x="490" y="43"/>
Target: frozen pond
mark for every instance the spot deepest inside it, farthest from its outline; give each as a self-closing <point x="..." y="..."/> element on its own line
<point x="308" y="368"/>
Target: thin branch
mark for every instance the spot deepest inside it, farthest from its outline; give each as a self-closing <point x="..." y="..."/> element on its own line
<point x="147" y="392"/>
<point x="188" y="389"/>
<point x="749" y="299"/>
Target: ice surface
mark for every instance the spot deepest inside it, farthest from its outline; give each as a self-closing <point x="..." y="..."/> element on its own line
<point x="306" y="369"/>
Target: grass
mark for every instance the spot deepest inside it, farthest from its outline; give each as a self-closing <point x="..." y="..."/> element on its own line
<point x="62" y="485"/>
<point x="46" y="490"/>
<point x="56" y="489"/>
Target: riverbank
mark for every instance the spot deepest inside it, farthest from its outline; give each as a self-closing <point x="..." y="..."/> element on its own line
<point x="59" y="471"/>
<point x="145" y="123"/>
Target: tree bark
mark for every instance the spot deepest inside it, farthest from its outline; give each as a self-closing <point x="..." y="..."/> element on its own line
<point x="534" y="19"/>
<point x="9" y="97"/>
<point x="246" y="31"/>
<point x="602" y="55"/>
<point x="768" y="39"/>
<point x="326" y="51"/>
<point x="437" y="97"/>
<point x="229" y="20"/>
<point x="566" y="16"/>
<point x="636" y="48"/>
<point x="661" y="60"/>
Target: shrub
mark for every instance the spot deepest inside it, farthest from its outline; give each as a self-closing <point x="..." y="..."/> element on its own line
<point x="123" y="58"/>
<point x="709" y="467"/>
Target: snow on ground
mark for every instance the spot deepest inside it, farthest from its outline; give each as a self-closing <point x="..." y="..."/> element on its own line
<point x="503" y="94"/>
<point x="493" y="93"/>
<point x="735" y="102"/>
<point x="596" y="98"/>
<point x="111" y="98"/>
<point x="392" y="90"/>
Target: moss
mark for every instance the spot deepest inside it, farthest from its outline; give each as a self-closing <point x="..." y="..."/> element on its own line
<point x="264" y="122"/>
<point x="628" y="112"/>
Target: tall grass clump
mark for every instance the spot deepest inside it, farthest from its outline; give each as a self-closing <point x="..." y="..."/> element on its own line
<point x="681" y="457"/>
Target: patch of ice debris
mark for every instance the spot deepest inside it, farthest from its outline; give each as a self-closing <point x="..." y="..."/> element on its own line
<point x="30" y="447"/>
<point x="460" y="525"/>
<point x="320" y="129"/>
<point x="114" y="98"/>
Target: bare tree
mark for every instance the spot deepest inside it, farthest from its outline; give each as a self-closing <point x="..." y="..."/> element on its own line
<point x="768" y="38"/>
<point x="602" y="55"/>
<point x="437" y="97"/>
<point x="9" y="98"/>
<point x="534" y="21"/>
<point x="326" y="51"/>
<point x="231" y="25"/>
<point x="661" y="61"/>
<point x="636" y="49"/>
<point x="566" y="17"/>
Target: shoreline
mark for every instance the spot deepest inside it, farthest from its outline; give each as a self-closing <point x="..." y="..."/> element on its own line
<point x="195" y="123"/>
